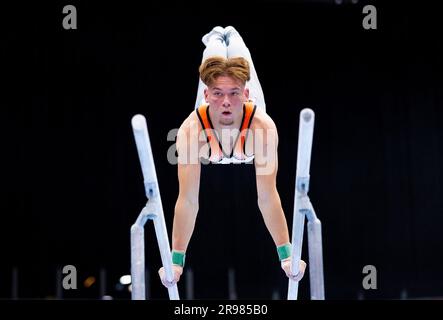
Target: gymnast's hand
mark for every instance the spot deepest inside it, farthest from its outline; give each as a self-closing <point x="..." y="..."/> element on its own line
<point x="177" y="270"/>
<point x="286" y="266"/>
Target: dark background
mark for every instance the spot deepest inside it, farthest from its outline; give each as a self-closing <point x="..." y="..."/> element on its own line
<point x="71" y="180"/>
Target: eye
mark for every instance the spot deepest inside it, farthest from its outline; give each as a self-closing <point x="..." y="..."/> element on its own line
<point x="218" y="94"/>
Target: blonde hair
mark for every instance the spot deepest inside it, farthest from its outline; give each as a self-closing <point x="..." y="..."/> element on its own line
<point x="214" y="67"/>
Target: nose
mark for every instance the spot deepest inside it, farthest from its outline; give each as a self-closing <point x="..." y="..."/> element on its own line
<point x="226" y="101"/>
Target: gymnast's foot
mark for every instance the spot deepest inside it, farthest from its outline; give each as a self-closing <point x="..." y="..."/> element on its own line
<point x="230" y="32"/>
<point x="217" y="33"/>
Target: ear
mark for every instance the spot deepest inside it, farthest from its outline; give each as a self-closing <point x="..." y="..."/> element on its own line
<point x="206" y="93"/>
<point x="246" y="93"/>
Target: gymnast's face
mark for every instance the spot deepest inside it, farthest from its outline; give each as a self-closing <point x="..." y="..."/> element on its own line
<point x="226" y="97"/>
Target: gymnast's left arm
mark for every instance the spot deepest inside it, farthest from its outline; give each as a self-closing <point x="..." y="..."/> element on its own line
<point x="266" y="166"/>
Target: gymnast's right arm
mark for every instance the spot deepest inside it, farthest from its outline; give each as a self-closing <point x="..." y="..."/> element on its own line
<point x="186" y="207"/>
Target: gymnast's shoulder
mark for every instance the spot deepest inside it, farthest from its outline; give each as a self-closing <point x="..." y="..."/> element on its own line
<point x="262" y="121"/>
<point x="191" y="125"/>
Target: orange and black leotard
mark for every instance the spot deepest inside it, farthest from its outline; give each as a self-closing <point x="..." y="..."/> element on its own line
<point x="216" y="153"/>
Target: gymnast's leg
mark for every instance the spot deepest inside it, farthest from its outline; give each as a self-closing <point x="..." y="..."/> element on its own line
<point x="215" y="46"/>
<point x="236" y="47"/>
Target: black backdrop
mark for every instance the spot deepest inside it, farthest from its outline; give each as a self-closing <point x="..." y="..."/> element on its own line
<point x="71" y="181"/>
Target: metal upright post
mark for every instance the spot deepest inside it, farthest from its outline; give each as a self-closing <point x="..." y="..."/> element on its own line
<point x="153" y="211"/>
<point x="302" y="208"/>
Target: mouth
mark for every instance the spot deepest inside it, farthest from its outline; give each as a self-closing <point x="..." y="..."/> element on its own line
<point x="226" y="113"/>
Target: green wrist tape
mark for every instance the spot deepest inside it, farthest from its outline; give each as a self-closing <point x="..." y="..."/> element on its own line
<point x="284" y="251"/>
<point x="178" y="258"/>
